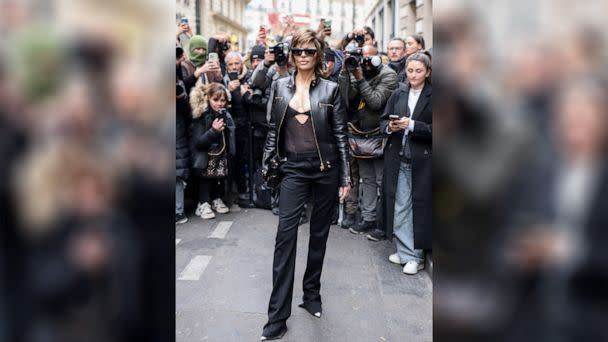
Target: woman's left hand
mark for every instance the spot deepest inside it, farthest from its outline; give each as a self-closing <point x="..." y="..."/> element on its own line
<point x="343" y="192"/>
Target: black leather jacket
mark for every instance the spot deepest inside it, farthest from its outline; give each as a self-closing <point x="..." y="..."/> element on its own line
<point x="328" y="120"/>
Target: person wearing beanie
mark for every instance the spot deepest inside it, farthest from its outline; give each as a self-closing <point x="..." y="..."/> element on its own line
<point x="196" y="64"/>
<point x="257" y="52"/>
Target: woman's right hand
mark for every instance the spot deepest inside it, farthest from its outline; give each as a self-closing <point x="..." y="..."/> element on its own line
<point x="209" y="66"/>
<point x="218" y="125"/>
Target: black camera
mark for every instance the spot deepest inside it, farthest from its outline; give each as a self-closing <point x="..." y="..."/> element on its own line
<point x="354" y="59"/>
<point x="281" y="53"/>
<point x="225" y="46"/>
<point x="360" y="40"/>
<point x="221" y="114"/>
<point x="180" y="89"/>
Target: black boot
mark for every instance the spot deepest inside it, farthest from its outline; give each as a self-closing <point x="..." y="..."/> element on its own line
<point x="348" y="221"/>
<point x="313" y="308"/>
<point x="363" y="227"/>
<point x="274" y="331"/>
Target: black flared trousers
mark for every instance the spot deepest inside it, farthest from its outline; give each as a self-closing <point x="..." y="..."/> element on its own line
<point x="301" y="178"/>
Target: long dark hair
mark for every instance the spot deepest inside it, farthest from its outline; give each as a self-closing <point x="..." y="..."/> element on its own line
<point x="306" y="37"/>
<point x="422" y="57"/>
<point x="419" y="39"/>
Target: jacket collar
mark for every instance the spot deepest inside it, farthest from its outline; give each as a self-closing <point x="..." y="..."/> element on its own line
<point x="423" y="100"/>
<point x="292" y="80"/>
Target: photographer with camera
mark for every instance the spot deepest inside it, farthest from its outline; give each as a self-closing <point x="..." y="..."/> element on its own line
<point x="212" y="144"/>
<point x="362" y="37"/>
<point x="365" y="85"/>
<point x="235" y="81"/>
<point x="256" y="102"/>
<point x="274" y="67"/>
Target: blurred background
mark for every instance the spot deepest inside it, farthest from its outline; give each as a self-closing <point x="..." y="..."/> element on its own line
<point x="520" y="176"/>
<point x="242" y="18"/>
<point x="86" y="160"/>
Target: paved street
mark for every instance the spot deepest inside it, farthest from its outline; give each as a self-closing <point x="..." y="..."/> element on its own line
<point x="224" y="278"/>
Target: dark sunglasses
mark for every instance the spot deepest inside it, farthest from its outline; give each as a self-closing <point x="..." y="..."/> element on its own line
<point x="308" y="52"/>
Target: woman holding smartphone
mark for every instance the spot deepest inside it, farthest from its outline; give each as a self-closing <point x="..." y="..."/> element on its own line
<point x="211" y="135"/>
<point x="307" y="133"/>
<point x="406" y="188"/>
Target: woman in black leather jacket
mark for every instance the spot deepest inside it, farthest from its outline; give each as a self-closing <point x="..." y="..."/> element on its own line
<point x="307" y="133"/>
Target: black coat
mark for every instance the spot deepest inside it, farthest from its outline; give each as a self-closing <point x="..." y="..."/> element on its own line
<point x="580" y="294"/>
<point x="204" y="138"/>
<point x="421" y="146"/>
<point x="182" y="150"/>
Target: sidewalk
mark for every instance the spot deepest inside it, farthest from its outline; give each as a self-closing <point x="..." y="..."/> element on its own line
<point x="229" y="263"/>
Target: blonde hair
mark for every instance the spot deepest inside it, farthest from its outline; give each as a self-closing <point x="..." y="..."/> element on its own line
<point x="200" y="95"/>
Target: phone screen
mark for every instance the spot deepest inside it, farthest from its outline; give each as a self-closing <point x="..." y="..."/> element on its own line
<point x="213" y="56"/>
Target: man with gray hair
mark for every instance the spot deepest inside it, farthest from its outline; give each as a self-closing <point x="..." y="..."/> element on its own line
<point x="236" y="82"/>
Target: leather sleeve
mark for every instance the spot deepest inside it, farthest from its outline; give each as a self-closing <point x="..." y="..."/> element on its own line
<point x="269" y="146"/>
<point x="261" y="77"/>
<point x="339" y="132"/>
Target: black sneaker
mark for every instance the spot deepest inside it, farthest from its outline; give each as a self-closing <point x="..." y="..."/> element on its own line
<point x="376" y="235"/>
<point x="363" y="227"/>
<point x="180" y="219"/>
<point x="275" y="211"/>
<point x="348" y="221"/>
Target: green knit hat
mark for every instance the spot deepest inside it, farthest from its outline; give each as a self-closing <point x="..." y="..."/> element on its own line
<point x="196" y="42"/>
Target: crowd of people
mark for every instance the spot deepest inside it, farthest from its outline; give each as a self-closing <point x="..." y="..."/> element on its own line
<point x="224" y="103"/>
<point x="321" y="125"/>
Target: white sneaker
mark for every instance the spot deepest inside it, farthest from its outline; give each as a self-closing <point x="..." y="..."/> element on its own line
<point x="199" y="210"/>
<point x="394" y="258"/>
<point x="412" y="267"/>
<point x="206" y="212"/>
<point x="219" y="206"/>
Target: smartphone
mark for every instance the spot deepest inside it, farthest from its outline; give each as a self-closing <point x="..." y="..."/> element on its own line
<point x="184" y="21"/>
<point x="233" y="75"/>
<point x="327" y="23"/>
<point x="213" y="57"/>
<point x="393" y="117"/>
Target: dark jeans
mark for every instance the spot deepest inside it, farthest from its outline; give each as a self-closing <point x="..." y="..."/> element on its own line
<point x="302" y="177"/>
<point x="241" y="158"/>
<point x="210" y="189"/>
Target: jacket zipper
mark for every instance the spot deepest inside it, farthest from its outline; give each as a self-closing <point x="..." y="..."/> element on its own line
<point x="322" y="167"/>
<point x="279" y="131"/>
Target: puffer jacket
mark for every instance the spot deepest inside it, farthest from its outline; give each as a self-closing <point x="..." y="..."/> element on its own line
<point x="328" y="122"/>
<point x="367" y="97"/>
<point x="182" y="152"/>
